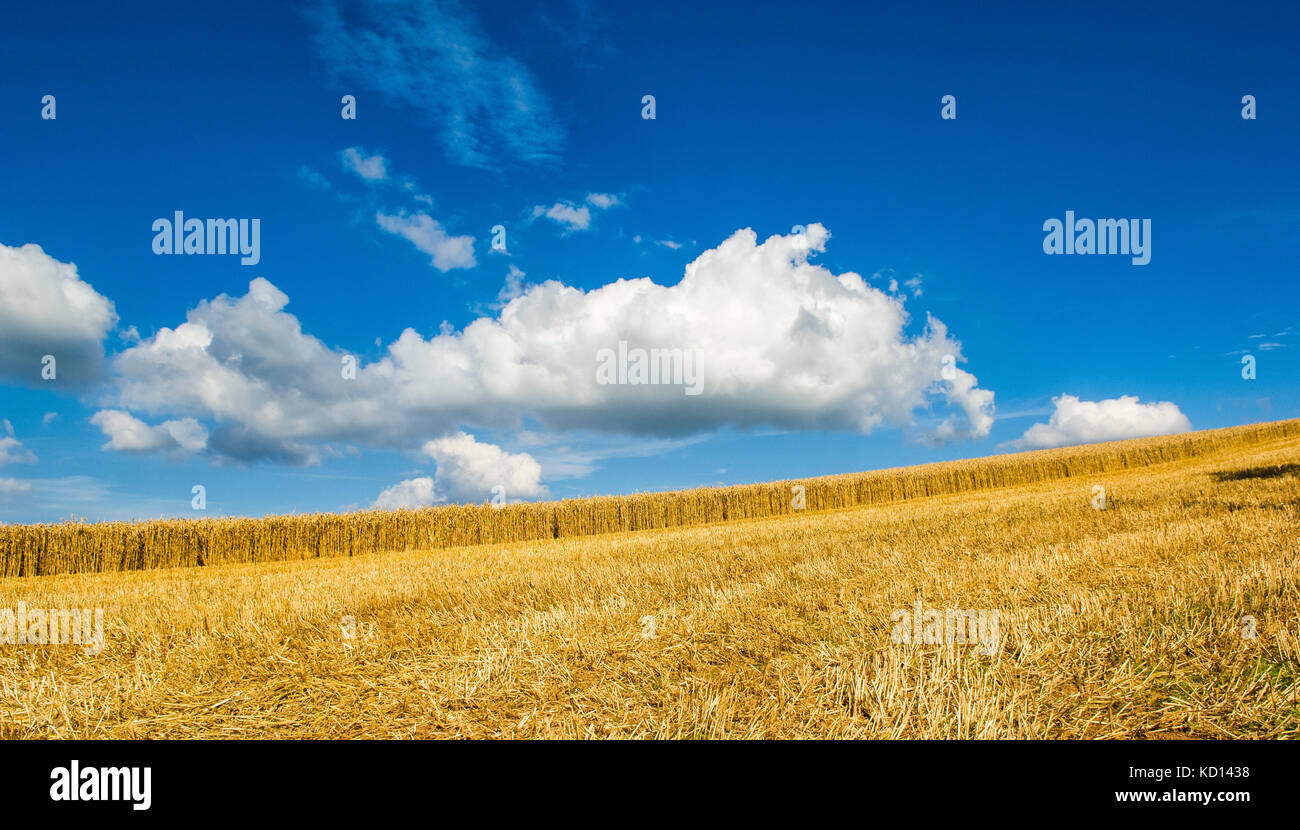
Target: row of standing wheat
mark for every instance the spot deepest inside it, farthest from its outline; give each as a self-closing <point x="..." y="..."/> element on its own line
<point x="77" y="547"/>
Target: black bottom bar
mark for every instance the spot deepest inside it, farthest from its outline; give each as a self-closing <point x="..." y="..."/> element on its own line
<point x="335" y="780"/>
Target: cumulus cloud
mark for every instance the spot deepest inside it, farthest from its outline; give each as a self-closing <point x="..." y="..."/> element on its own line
<point x="1087" y="422"/>
<point x="574" y="217"/>
<point x="126" y="433"/>
<point x="242" y="363"/>
<point x="469" y="471"/>
<point x="783" y="343"/>
<point x="604" y="201"/>
<point x="46" y="309"/>
<point x="432" y="58"/>
<point x="371" y="168"/>
<point x="414" y="492"/>
<point x="426" y="234"/>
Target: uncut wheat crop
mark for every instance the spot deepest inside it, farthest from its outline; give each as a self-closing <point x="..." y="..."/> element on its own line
<point x="1168" y="608"/>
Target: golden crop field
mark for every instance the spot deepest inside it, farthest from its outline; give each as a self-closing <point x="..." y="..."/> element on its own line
<point x="1174" y="612"/>
<point x="71" y="547"/>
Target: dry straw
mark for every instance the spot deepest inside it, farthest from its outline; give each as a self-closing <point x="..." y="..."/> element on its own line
<point x="78" y="547"/>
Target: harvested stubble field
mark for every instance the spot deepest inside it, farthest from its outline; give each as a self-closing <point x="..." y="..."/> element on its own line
<point x="1117" y="623"/>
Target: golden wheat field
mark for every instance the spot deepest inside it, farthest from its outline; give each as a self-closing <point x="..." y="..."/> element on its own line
<point x="1174" y="612"/>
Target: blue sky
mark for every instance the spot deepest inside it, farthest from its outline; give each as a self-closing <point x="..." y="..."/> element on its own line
<point x="183" y="370"/>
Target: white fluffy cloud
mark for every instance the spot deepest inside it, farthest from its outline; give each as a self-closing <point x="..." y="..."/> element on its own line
<point x="414" y="492"/>
<point x="427" y="234"/>
<point x="46" y="309"/>
<point x="127" y="433"/>
<point x="576" y="217"/>
<point x="783" y="343"/>
<point x="246" y="365"/>
<point x="371" y="168"/>
<point x="469" y="471"/>
<point x="572" y="217"/>
<point x="1087" y="422"/>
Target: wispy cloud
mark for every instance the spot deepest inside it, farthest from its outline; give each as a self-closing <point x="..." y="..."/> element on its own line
<point x="577" y="455"/>
<point x="12" y="450"/>
<point x="433" y="59"/>
<point x="372" y="168"/>
<point x="670" y="244"/>
<point x="12" y="488"/>
<point x="313" y="178"/>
